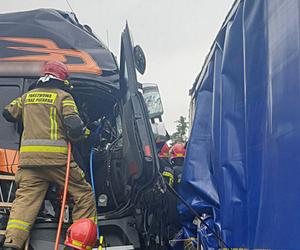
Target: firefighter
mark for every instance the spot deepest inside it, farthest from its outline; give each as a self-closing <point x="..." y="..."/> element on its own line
<point x="177" y="155"/>
<point x="50" y="119"/>
<point x="167" y="170"/>
<point x="164" y="152"/>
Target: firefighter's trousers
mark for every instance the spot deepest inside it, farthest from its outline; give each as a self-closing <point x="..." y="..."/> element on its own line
<point x="32" y="184"/>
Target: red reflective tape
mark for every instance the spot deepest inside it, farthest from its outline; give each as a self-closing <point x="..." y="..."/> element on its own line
<point x="147" y="151"/>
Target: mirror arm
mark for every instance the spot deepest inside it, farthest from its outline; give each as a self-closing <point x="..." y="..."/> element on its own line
<point x="139" y="85"/>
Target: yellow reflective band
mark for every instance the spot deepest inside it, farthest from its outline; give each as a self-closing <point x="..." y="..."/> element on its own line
<point x="76" y="243"/>
<point x="79" y="244"/>
<point x="17" y="227"/>
<point x="20" y="221"/>
<point x="40" y="98"/>
<point x="71" y="104"/>
<point x="68" y="101"/>
<point x="44" y="149"/>
<point x="52" y="124"/>
<point x="19" y="102"/>
<point x="171" y="176"/>
<point x="53" y="121"/>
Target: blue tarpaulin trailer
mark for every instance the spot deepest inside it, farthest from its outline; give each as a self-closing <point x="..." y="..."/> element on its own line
<point x="243" y="158"/>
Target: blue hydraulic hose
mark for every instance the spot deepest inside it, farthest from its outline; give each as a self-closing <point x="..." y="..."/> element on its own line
<point x="98" y="130"/>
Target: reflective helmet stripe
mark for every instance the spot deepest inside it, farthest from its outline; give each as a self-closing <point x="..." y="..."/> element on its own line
<point x="80" y="244"/>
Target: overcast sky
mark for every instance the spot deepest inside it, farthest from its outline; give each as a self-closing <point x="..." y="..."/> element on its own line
<point x="176" y="35"/>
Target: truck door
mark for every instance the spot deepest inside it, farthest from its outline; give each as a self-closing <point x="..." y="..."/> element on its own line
<point x="138" y="143"/>
<point x="10" y="88"/>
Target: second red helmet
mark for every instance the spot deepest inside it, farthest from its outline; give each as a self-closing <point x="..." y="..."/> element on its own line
<point x="177" y="151"/>
<point x="82" y="235"/>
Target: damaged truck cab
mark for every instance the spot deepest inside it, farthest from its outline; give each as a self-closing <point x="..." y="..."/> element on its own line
<point x="124" y="160"/>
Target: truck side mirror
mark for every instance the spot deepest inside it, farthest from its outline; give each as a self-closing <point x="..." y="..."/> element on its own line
<point x="153" y="100"/>
<point x="139" y="59"/>
<point x="160" y="133"/>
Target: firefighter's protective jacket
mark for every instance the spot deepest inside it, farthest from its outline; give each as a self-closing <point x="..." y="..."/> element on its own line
<point x="44" y="112"/>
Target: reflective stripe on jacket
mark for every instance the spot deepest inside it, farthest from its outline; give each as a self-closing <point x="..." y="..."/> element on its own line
<point x="44" y="139"/>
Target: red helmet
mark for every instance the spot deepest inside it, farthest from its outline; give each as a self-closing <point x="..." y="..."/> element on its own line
<point x="82" y="235"/>
<point x="57" y="69"/>
<point x="177" y="151"/>
<point x="164" y="152"/>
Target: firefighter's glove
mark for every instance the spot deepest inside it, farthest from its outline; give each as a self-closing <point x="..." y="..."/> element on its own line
<point x="74" y="128"/>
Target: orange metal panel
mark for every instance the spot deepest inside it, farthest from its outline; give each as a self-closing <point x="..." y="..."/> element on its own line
<point x="9" y="161"/>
